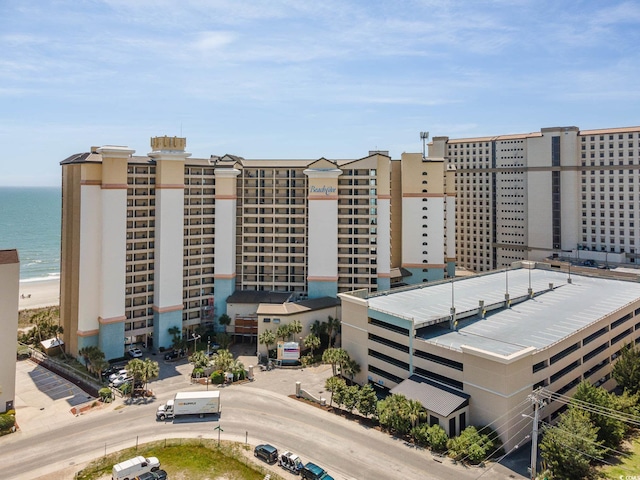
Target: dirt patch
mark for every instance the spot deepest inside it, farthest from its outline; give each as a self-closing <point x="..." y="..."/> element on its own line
<point x="364" y="421"/>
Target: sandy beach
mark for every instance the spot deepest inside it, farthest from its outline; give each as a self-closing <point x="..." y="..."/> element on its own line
<point x="40" y="293"/>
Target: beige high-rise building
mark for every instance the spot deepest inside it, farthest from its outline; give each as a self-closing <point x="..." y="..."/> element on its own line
<point x="558" y="192"/>
<point x="9" y="290"/>
<point x="162" y="240"/>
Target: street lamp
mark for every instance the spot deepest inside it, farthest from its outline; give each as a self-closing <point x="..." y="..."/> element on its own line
<point x="195" y="339"/>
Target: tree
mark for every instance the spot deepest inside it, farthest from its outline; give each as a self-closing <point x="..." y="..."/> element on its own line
<point x="334" y="385"/>
<point x="437" y="438"/>
<point x="311" y="341"/>
<point x="333" y="328"/>
<point x="283" y="332"/>
<point x="415" y="412"/>
<point x="333" y="356"/>
<point x="267" y="338"/>
<point x="135" y="369"/>
<point x="224" y="320"/>
<point x="367" y="400"/>
<point x="224" y="340"/>
<point x="471" y="445"/>
<point x="610" y="430"/>
<point x="350" y="397"/>
<point x="320" y="329"/>
<point x="349" y="367"/>
<point x="150" y="370"/>
<point x="176" y="336"/>
<point x="223" y="360"/>
<point x="392" y="414"/>
<point x="626" y="371"/>
<point x="94" y="359"/>
<point x="569" y="447"/>
<point x="199" y="359"/>
<point x="295" y="327"/>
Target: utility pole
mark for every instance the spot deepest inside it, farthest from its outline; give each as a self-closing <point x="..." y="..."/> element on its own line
<point x="538" y="403"/>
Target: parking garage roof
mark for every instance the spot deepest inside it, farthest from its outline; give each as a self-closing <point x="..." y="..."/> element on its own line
<point x="539" y="322"/>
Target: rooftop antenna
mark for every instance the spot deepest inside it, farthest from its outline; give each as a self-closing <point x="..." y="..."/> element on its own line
<point x="424" y="136"/>
<point x="530" y="289"/>
<point x="507" y="303"/>
<point x="454" y="321"/>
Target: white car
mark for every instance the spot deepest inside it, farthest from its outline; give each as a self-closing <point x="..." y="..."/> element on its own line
<point x="120" y="380"/>
<point x="113" y="376"/>
<point x="135" y="352"/>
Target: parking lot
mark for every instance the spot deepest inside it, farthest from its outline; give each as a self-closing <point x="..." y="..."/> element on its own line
<point x="44" y="398"/>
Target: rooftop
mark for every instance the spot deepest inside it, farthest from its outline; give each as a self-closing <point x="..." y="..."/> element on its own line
<point x="539" y="322"/>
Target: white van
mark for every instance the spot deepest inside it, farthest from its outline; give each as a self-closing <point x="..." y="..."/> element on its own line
<point x="129" y="469"/>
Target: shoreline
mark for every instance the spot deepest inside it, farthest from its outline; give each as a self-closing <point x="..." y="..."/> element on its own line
<point x="39" y="293"/>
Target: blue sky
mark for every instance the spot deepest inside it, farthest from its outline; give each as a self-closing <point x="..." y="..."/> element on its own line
<point x="303" y="79"/>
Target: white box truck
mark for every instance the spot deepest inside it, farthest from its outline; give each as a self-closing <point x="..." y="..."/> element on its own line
<point x="130" y="469"/>
<point x="190" y="403"/>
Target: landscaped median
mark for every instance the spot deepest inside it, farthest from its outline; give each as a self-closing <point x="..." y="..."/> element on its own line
<point x="195" y="459"/>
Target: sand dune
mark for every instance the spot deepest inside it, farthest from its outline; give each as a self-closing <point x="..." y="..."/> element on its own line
<point x="37" y="294"/>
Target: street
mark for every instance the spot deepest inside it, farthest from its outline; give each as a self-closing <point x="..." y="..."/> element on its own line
<point x="62" y="445"/>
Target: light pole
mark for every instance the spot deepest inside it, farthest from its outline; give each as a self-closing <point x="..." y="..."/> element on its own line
<point x="195" y="339"/>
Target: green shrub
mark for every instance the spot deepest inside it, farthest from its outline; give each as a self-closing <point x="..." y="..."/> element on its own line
<point x="6" y="422"/>
<point x="217" y="377"/>
<point x="197" y="372"/>
<point x="437" y="438"/>
<point x="105" y="394"/>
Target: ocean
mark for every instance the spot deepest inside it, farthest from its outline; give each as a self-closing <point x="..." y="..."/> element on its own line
<point x="30" y="221"/>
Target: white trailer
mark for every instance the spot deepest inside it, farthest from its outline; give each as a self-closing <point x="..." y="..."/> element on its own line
<point x="190" y="403"/>
<point x="132" y="468"/>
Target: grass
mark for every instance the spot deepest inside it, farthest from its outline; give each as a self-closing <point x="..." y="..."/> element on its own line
<point x="25" y="317"/>
<point x="629" y="464"/>
<point x="193" y="459"/>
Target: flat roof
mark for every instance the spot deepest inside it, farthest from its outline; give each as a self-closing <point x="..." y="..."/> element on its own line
<point x="538" y="322"/>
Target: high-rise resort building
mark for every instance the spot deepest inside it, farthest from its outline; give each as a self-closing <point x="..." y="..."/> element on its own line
<point x="9" y="292"/>
<point x="163" y="240"/>
<point x="558" y="192"/>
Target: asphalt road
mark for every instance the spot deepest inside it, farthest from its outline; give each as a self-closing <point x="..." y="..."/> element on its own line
<point x="64" y="443"/>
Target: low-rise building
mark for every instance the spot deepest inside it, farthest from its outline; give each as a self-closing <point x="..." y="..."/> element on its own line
<point x="486" y="342"/>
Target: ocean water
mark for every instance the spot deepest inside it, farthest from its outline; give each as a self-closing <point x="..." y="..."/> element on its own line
<point x="30" y="222"/>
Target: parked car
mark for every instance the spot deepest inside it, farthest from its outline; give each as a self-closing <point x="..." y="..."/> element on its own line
<point x="291" y="461"/>
<point x="174" y="354"/>
<point x="266" y="452"/>
<point x="135" y="353"/>
<point x="116" y="374"/>
<point x="111" y="370"/>
<point x="311" y="471"/>
<point x="157" y="475"/>
<point x="120" y="380"/>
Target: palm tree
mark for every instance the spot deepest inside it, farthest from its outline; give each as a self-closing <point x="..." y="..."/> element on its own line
<point x="223" y="360"/>
<point x="349" y="367"/>
<point x="333" y="328"/>
<point x="334" y="385"/>
<point x="295" y="327"/>
<point x="267" y="338"/>
<point x="320" y="329"/>
<point x="199" y="359"/>
<point x="333" y="357"/>
<point x="136" y="370"/>
<point x="311" y="341"/>
<point x="415" y="412"/>
<point x="283" y="332"/>
<point x="150" y="370"/>
<point x="176" y="333"/>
